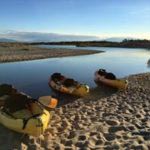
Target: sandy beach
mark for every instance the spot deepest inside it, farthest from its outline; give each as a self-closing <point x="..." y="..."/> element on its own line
<point x="10" y="52"/>
<point x="102" y="120"/>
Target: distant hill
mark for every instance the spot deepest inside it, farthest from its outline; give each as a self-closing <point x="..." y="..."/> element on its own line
<point x="44" y="37"/>
<point x="78" y="40"/>
<point x="117" y="39"/>
<point x="125" y="43"/>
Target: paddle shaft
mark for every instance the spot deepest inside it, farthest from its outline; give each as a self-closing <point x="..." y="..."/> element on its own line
<point x="42" y="105"/>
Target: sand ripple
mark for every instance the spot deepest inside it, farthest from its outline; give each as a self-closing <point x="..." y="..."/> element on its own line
<point x="118" y="121"/>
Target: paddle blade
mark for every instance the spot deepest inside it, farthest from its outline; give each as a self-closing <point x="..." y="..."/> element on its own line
<point x="48" y="101"/>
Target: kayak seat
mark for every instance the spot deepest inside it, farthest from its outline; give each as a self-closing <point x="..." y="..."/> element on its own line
<point x="70" y="82"/>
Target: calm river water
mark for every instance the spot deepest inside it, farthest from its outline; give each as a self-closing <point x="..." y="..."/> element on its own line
<point x="32" y="77"/>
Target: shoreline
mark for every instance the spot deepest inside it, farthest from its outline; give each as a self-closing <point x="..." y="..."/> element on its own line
<point x="20" y="52"/>
<point x="117" y="120"/>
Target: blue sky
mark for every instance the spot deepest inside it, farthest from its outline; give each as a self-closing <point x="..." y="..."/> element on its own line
<point x="103" y="18"/>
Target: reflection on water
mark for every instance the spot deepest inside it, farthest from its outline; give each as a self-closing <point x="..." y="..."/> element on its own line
<point x="32" y="76"/>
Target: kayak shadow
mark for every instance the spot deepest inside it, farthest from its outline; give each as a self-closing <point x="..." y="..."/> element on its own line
<point x="100" y="91"/>
<point x="10" y="139"/>
<point x="63" y="99"/>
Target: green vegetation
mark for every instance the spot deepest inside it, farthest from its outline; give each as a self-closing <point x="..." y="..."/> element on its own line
<point x="125" y="43"/>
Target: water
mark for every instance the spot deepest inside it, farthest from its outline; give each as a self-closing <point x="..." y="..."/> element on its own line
<point x="32" y="77"/>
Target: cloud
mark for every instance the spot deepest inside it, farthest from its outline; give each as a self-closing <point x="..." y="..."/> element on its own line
<point x="54" y="37"/>
<point x="46" y="37"/>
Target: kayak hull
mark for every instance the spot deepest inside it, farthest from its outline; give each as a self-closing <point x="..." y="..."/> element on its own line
<point x="119" y="84"/>
<point x="35" y="126"/>
<point x="80" y="90"/>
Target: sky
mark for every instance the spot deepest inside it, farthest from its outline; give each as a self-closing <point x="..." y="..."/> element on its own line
<point x="101" y="18"/>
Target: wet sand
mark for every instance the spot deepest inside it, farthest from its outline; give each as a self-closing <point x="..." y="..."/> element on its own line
<point x="105" y="119"/>
<point x="10" y="52"/>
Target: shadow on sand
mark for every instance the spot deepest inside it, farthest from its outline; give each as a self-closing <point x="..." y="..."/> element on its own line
<point x="13" y="140"/>
<point x="95" y="93"/>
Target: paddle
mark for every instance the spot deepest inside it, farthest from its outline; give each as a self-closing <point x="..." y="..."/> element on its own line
<point x="47" y="102"/>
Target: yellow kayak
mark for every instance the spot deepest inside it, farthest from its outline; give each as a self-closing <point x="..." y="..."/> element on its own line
<point x="119" y="84"/>
<point x="77" y="90"/>
<point x="21" y="113"/>
<point x="24" y="121"/>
